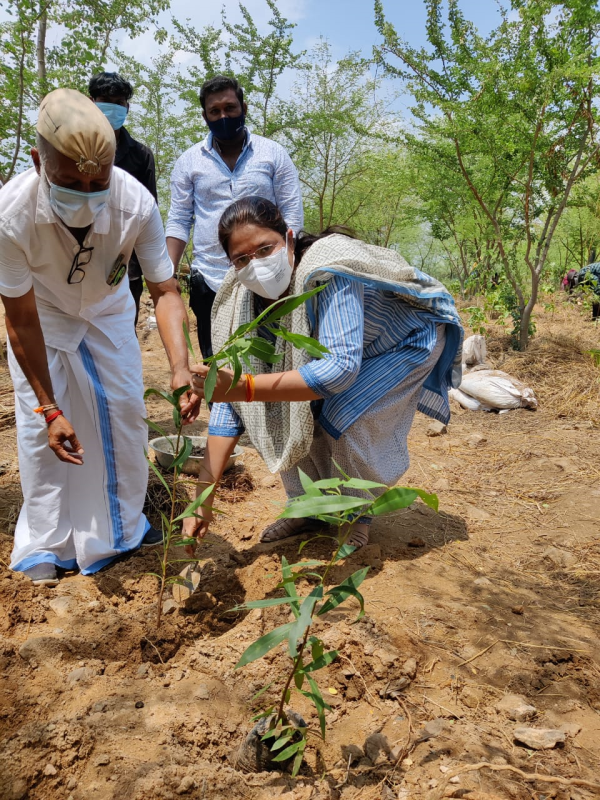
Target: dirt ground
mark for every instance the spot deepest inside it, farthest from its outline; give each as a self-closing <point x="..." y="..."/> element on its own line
<point x="498" y="594"/>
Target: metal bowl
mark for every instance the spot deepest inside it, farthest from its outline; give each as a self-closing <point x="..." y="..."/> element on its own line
<point x="165" y="451"/>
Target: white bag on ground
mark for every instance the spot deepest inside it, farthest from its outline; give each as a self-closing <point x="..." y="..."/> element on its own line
<point x="474" y="351"/>
<point x="497" y="390"/>
<point x="466" y="401"/>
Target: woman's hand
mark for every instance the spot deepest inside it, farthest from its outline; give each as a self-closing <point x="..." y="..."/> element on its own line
<point x="222" y="392"/>
<point x="196" y="528"/>
<point x="189" y="402"/>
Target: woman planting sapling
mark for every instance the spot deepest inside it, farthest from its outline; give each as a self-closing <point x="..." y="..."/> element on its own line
<point x="393" y="339"/>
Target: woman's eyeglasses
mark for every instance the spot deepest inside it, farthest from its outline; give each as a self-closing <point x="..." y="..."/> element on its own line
<point x="82" y="259"/>
<point x="242" y="261"/>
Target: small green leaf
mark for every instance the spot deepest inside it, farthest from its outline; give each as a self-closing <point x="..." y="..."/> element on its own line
<point x="308" y="485"/>
<point x="326" y="504"/>
<point x="183" y="454"/>
<point x="304" y="619"/>
<point x="297" y="762"/>
<point x="165" y="396"/>
<point x="281" y="742"/>
<point x="188" y="341"/>
<point x="263" y="645"/>
<point x="357" y="483"/>
<point x="320" y="704"/>
<point x="159" y="476"/>
<point x="261" y="691"/>
<point x="288" y="752"/>
<point x="316" y="647"/>
<point x="346" y="589"/>
<point x="392" y="500"/>
<point x="280" y="310"/>
<point x="322" y="661"/>
<point x="270" y="601"/>
<point x="210" y="381"/>
<point x="430" y="500"/>
<point x="299" y="679"/>
<point x="328" y="483"/>
<point x="158" y="429"/>
<point x="344" y="551"/>
<point x="289" y="586"/>
<point x="190" y="510"/>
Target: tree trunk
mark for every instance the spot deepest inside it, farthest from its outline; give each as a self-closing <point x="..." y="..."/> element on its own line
<point x="41" y="54"/>
<point x="527" y="311"/>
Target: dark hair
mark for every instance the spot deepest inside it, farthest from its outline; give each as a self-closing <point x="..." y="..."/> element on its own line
<point x="220" y="83"/>
<point x="110" y="84"/>
<point x="261" y="212"/>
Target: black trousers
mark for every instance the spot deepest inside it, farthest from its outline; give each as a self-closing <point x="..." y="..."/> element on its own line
<point x="137" y="287"/>
<point x="202" y="298"/>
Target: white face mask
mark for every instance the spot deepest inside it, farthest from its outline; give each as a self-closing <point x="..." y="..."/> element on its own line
<point x="268" y="277"/>
<point x="77" y="209"/>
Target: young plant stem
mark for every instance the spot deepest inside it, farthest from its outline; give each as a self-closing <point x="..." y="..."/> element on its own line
<point x="297" y="661"/>
<point x="167" y="537"/>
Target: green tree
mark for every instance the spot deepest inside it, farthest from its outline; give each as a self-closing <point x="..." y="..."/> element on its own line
<point x="518" y="110"/>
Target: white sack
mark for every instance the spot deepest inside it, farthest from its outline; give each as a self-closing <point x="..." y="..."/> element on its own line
<point x="466" y="401"/>
<point x="474" y="351"/>
<point x="496" y="389"/>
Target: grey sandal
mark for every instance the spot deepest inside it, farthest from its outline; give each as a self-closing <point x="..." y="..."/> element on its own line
<point x="359" y="536"/>
<point x="284" y="528"/>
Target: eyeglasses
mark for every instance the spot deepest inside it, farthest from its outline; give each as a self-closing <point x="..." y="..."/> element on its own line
<point x="242" y="261"/>
<point x="82" y="259"/>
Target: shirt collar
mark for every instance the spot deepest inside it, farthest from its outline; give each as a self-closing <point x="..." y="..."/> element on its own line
<point x="44" y="213"/>
<point x="207" y="144"/>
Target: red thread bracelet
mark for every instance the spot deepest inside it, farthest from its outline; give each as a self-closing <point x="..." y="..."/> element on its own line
<point x="53" y="416"/>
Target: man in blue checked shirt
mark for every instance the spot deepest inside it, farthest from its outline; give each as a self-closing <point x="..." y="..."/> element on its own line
<point x="229" y="164"/>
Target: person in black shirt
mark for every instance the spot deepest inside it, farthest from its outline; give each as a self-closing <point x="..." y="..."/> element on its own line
<point x="112" y="94"/>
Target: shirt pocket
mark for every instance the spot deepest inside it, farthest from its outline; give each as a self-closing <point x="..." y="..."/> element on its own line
<point x="257" y="179"/>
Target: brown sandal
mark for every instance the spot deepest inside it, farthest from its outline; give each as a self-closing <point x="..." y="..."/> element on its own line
<point x="359" y="534"/>
<point x="284" y="528"/>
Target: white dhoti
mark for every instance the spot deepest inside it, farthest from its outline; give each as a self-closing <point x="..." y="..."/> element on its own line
<point x="83" y="515"/>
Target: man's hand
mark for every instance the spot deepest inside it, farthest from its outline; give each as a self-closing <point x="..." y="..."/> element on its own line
<point x="196" y="528"/>
<point x="60" y="432"/>
<point x="189" y="402"/>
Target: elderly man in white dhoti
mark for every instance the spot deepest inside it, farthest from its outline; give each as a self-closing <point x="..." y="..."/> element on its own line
<point x="67" y="230"/>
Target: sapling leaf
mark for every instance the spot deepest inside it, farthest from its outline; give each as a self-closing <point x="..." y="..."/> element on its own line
<point x="183" y="454"/>
<point x="316" y="647"/>
<point x="288" y="752"/>
<point x="281" y="742"/>
<point x="176" y="417"/>
<point x="304" y="620"/>
<point x="237" y="369"/>
<point x="322" y="661"/>
<point x="270" y="601"/>
<point x="289" y="586"/>
<point x="159" y="476"/>
<point x="346" y="589"/>
<point x="299" y="679"/>
<point x="165" y="395"/>
<point x="344" y="551"/>
<point x="211" y="381"/>
<point x="320" y="704"/>
<point x="263" y="645"/>
<point x="392" y="500"/>
<point x="313" y="563"/>
<point x="261" y="691"/>
<point x="297" y="762"/>
<point x="326" y="504"/>
<point x="260" y="348"/>
<point x="188" y="341"/>
<point x="263" y="714"/>
<point x="312" y="346"/>
<point x="190" y="510"/>
<point x="308" y="484"/>
<point x="328" y="483"/>
<point x="430" y="500"/>
<point x="180" y="391"/>
<point x="340" y="470"/>
<point x="358" y="483"/>
<point x="270" y="315"/>
<point x="157" y="428"/>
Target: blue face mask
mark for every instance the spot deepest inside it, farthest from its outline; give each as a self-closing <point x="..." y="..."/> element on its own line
<point x="114" y="113"/>
<point x="77" y="209"/>
<point x="227" y="128"/>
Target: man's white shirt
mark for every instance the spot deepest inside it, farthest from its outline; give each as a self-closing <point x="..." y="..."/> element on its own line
<point x="37" y="250"/>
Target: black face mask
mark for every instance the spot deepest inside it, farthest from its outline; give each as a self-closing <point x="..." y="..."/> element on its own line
<point x="227" y="128"/>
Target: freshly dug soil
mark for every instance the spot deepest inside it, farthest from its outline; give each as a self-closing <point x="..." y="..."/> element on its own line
<point x="198" y="452"/>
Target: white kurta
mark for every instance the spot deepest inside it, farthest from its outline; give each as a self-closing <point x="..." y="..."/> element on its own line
<point x="81" y="515"/>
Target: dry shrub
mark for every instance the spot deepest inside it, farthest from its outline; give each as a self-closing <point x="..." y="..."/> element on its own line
<point x="7" y="400"/>
<point x="235" y="484"/>
<point x="157" y="499"/>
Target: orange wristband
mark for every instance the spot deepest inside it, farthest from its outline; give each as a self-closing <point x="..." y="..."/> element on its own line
<point x="250" y="387"/>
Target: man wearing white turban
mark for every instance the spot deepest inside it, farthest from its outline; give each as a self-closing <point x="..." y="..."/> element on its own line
<point x="67" y="230"/>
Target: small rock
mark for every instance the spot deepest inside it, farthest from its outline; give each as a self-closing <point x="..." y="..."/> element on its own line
<point x="516" y="707"/>
<point x="539" y="738"/>
<point x="407" y="763"/>
<point x="471" y="697"/>
<point x="41" y="648"/>
<point x="102" y="761"/>
<point x="114" y="667"/>
<point x="269" y="481"/>
<point x="416" y="541"/>
<point x="395" y="688"/>
<point x="169" y="606"/>
<point x="72" y="783"/>
<point x="477" y="513"/>
<point x="387" y="659"/>
<point x="409" y="668"/>
<point x="99" y="707"/>
<point x="50" y="770"/>
<point x="191" y="575"/>
<point x="186" y="785"/>
<point x="570" y="728"/>
<point x="432" y="729"/>
<point x="432" y="783"/>
<point x="476" y="440"/>
<point x="63" y="606"/>
<point x="352" y="753"/>
<point x="560" y="558"/>
<point x="519" y="610"/>
<point x="436" y="428"/>
<point x="202" y="692"/>
<point x="375" y="744"/>
<point x="143" y="670"/>
<point x="444" y="769"/>
<point x="455" y="779"/>
<point x="139" y="704"/>
<point x="81" y="674"/>
<point x="482" y="582"/>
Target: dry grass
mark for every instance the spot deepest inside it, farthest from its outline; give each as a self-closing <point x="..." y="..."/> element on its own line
<point x="7" y="402"/>
<point x="236" y="484"/>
